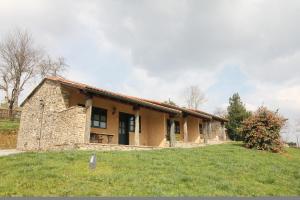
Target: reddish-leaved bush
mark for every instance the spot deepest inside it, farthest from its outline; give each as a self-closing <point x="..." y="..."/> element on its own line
<point x="262" y="130"/>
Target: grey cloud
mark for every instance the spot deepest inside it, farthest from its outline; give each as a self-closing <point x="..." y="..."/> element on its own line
<point x="178" y="35"/>
<point x="171" y="36"/>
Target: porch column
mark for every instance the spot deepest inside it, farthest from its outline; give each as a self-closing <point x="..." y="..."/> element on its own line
<point x="209" y="128"/>
<point x="185" y="130"/>
<point x="223" y="131"/>
<point x="137" y="128"/>
<point x="88" y="106"/>
<point x="204" y="129"/>
<point x="172" y="133"/>
<point x="199" y="131"/>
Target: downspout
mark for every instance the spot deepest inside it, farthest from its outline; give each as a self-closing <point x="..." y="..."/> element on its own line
<point x="42" y="105"/>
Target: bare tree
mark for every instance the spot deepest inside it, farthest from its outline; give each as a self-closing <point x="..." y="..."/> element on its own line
<point x="220" y="112"/>
<point x="194" y="97"/>
<point x="285" y="131"/>
<point x="21" y="61"/>
<point x="298" y="126"/>
<point x="298" y="133"/>
<point x="50" y="67"/>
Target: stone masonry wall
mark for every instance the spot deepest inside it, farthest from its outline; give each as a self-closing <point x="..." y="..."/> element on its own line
<point x="70" y="126"/>
<point x="42" y="127"/>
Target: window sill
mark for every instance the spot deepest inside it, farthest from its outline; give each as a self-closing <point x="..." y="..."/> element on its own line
<point x="98" y="127"/>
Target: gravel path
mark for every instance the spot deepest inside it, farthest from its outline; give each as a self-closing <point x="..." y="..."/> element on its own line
<point x="6" y="152"/>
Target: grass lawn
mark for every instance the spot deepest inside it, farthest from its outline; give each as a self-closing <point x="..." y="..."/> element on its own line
<point x="218" y="170"/>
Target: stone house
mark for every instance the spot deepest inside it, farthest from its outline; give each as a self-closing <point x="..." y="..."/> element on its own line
<point x="62" y="112"/>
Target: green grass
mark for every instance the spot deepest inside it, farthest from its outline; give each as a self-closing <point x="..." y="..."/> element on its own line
<point x="6" y="126"/>
<point x="219" y="170"/>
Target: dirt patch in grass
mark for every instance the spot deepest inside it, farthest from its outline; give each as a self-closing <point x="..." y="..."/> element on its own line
<point x="287" y="155"/>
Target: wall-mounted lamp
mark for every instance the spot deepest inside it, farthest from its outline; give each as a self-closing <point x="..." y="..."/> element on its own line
<point x="42" y="104"/>
<point x="114" y="110"/>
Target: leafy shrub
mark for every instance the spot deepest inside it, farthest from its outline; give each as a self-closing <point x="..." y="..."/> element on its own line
<point x="262" y="130"/>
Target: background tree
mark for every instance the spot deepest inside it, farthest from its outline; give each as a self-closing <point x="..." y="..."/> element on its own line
<point x="262" y="130"/>
<point x="220" y="112"/>
<point x="237" y="113"/>
<point x="194" y="97"/>
<point x="52" y="67"/>
<point x="286" y="130"/>
<point x="20" y="62"/>
<point x="298" y="133"/>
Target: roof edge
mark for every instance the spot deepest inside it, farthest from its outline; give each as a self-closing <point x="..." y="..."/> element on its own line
<point x="135" y="100"/>
<point x="107" y="93"/>
<point x="33" y="91"/>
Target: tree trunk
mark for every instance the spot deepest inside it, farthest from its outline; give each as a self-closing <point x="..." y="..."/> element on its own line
<point x="10" y="111"/>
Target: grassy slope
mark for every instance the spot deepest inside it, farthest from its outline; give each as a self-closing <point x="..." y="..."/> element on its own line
<point x="8" y="125"/>
<point x="220" y="170"/>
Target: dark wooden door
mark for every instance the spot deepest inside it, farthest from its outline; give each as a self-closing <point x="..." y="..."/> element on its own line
<point x="123" y="129"/>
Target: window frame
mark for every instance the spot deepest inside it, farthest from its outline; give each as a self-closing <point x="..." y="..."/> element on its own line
<point x="200" y="128"/>
<point x="101" y="112"/>
<point x="131" y="118"/>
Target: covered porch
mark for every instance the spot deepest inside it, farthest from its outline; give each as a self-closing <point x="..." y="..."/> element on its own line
<point x="117" y="119"/>
<point x="193" y="127"/>
<point x="121" y="120"/>
<point x="195" y="131"/>
<point x="110" y="122"/>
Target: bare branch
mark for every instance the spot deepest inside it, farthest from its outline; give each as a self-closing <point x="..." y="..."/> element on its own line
<point x="220" y="112"/>
<point x="194" y="97"/>
<point x="50" y="67"/>
<point x="21" y="61"/>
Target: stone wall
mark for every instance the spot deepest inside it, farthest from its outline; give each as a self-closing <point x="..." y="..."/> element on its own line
<point x="46" y="121"/>
<point x="70" y="126"/>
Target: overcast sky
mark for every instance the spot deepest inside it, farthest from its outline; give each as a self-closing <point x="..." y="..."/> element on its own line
<point x="154" y="49"/>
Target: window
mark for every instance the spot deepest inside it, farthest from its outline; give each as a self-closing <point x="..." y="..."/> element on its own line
<point x="177" y="126"/>
<point x="132" y="123"/>
<point x="200" y="129"/>
<point x="99" y="118"/>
